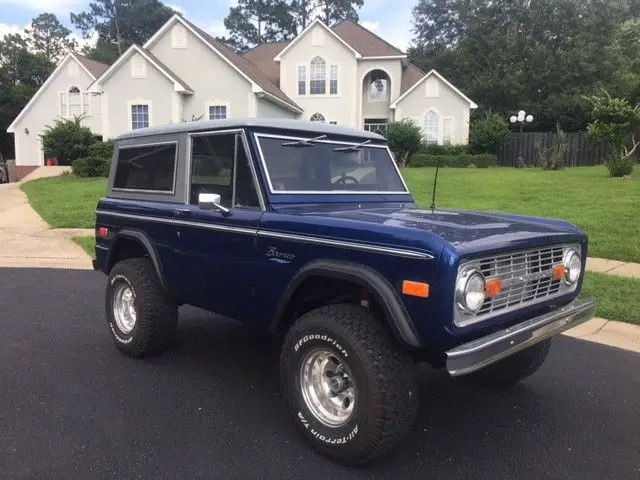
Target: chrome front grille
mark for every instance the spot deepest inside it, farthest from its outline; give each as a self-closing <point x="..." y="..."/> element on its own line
<point x="526" y="278"/>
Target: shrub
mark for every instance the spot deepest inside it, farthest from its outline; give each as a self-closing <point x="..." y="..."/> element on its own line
<point x="453" y="161"/>
<point x="91" y="167"/>
<point x="67" y="141"/>
<point x="434" y="149"/>
<point x="616" y="121"/>
<point x="488" y="134"/>
<point x="102" y="149"/>
<point x="554" y="157"/>
<point x="405" y="138"/>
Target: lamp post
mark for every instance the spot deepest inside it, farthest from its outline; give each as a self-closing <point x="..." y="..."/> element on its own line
<point x="521" y="118"/>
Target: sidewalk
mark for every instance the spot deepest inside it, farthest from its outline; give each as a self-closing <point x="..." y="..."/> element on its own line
<point x="613" y="267"/>
<point x="26" y="240"/>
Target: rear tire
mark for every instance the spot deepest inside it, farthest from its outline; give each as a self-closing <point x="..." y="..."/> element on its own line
<point x="513" y="369"/>
<point x="379" y="402"/>
<point x="142" y="319"/>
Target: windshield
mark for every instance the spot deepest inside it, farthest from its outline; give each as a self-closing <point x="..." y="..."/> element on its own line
<point x="316" y="165"/>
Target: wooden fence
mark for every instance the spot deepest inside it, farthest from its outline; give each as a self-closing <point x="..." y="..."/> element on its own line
<point x="581" y="150"/>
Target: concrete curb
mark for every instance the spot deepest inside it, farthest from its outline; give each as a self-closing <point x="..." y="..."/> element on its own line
<point x="613" y="267"/>
<point x="608" y="332"/>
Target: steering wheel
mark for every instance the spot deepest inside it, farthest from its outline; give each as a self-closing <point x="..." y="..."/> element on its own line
<point x="344" y="178"/>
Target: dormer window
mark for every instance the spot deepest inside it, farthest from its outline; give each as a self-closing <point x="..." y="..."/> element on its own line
<point x="138" y="66"/>
<point x="318" y="84"/>
<point x="178" y="36"/>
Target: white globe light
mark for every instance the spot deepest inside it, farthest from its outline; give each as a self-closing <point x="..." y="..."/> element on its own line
<point x="521" y="113"/>
<point x="529" y="118"/>
<point x="520" y="118"/>
<point x="513" y="119"/>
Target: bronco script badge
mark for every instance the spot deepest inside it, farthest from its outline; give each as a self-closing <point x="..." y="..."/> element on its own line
<point x="279" y="257"/>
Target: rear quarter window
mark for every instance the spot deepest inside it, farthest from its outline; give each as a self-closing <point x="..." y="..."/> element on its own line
<point x="148" y="168"/>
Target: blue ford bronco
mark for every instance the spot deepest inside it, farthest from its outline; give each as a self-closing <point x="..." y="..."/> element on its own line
<point x="308" y="231"/>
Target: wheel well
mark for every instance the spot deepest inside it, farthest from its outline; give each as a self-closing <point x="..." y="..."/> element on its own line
<point x="126" y="247"/>
<point x="321" y="290"/>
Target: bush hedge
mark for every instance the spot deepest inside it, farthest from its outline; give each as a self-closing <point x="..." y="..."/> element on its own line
<point x="430" y="149"/>
<point x="102" y="149"/>
<point x="91" y="167"/>
<point x="454" y="161"/>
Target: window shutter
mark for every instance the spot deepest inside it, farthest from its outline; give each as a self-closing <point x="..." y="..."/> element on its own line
<point x="138" y="66"/>
<point x="178" y="37"/>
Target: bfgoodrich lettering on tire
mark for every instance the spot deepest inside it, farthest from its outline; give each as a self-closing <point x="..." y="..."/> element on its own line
<point x="142" y="319"/>
<point x="351" y="388"/>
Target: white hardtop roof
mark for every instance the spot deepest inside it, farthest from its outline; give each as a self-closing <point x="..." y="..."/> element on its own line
<point x="312" y="128"/>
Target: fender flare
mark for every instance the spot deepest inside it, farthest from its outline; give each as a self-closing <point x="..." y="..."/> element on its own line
<point x="396" y="314"/>
<point x="147" y="244"/>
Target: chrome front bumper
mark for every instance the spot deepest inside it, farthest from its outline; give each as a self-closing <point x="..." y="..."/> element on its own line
<point x="477" y="354"/>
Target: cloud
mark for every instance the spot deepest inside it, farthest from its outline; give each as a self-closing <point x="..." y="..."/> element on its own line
<point x="373" y="26"/>
<point x="46" y="5"/>
<point x="6" y="29"/>
<point x="176" y="8"/>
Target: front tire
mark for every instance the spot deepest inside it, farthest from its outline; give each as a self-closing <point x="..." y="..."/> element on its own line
<point x="352" y="389"/>
<point x="513" y="369"/>
<point x="142" y="319"/>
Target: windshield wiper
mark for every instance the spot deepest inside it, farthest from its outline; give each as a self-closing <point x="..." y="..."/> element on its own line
<point x="307" y="142"/>
<point x="352" y="148"/>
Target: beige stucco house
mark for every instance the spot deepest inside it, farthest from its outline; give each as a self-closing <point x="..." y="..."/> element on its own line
<point x="345" y="75"/>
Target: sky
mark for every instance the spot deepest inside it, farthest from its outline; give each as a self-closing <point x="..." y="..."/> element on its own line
<point x="391" y="19"/>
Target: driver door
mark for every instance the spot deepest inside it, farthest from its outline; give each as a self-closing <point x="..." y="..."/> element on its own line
<point x="216" y="249"/>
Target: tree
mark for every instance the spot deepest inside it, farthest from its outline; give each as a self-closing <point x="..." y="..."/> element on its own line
<point x="119" y="24"/>
<point x="404" y="139"/>
<point x="253" y="22"/>
<point x="543" y="56"/>
<point x="22" y="73"/>
<point x="49" y="37"/>
<point x="617" y="122"/>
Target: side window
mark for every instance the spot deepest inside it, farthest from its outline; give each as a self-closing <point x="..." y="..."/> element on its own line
<point x="150" y="167"/>
<point x="215" y="161"/>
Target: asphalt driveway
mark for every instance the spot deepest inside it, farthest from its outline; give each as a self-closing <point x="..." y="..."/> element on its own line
<point x="71" y="406"/>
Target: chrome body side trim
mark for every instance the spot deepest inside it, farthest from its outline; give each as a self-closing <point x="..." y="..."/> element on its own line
<point x="279" y="235"/>
<point x="472" y="356"/>
<point x="257" y="137"/>
<point x="344" y="244"/>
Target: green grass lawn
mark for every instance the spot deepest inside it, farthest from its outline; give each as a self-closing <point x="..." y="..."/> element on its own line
<point x="67" y="201"/>
<point x="88" y="243"/>
<point x="608" y="209"/>
<point x="616" y="296"/>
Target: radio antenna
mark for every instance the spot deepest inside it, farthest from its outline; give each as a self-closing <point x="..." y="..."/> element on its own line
<point x="435" y="184"/>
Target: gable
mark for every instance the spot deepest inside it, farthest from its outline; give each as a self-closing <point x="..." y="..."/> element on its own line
<point x="429" y="86"/>
<point x="317" y="35"/>
<point x="69" y="72"/>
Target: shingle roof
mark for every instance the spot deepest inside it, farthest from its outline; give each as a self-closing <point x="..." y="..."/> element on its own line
<point x="262" y="56"/>
<point x="364" y="41"/>
<point x="244" y="65"/>
<point x="96" y="68"/>
<point x="168" y="70"/>
<point x="410" y="76"/>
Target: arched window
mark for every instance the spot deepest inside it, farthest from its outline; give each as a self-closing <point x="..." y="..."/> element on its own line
<point x="431" y="126"/>
<point x="75" y="101"/>
<point x="317" y="117"/>
<point x="379" y="86"/>
<point x="318" y="74"/>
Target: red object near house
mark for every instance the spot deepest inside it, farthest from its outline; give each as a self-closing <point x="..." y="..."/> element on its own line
<point x="52" y="161"/>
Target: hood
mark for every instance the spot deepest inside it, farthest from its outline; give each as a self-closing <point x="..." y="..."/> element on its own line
<point x="465" y="231"/>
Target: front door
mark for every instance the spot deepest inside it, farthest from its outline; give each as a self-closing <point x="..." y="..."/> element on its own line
<point x="216" y="252"/>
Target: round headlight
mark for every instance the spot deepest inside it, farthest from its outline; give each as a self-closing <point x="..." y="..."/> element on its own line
<point x="572" y="266"/>
<point x="470" y="291"/>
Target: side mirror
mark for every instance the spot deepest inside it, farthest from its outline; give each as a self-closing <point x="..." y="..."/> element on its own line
<point x="211" y="201"/>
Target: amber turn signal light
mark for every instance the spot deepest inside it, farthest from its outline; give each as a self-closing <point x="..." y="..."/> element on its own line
<point x="415" y="289"/>
<point x="493" y="288"/>
<point x="558" y="272"/>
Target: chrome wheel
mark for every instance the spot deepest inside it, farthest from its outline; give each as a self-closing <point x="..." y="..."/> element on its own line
<point x="327" y="387"/>
<point x="124" y="309"/>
